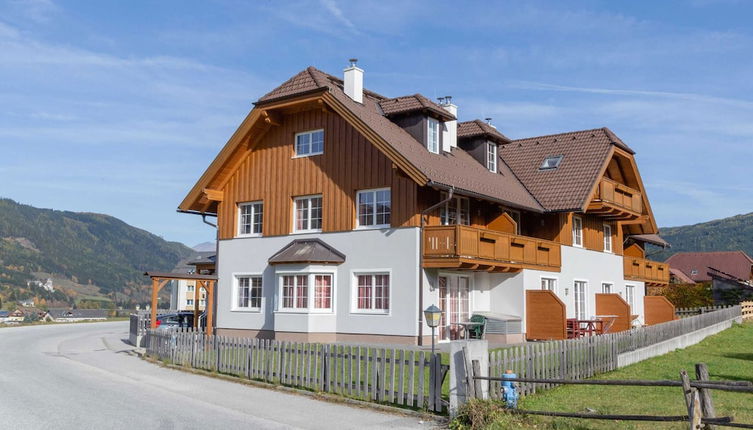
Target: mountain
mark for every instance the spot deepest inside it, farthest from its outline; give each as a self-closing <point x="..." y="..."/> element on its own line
<point x="88" y="255"/>
<point x="727" y="234"/>
<point x="205" y="247"/>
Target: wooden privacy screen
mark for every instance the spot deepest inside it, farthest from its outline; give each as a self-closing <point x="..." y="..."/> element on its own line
<point x="546" y="316"/>
<point x="614" y="304"/>
<point x="658" y="309"/>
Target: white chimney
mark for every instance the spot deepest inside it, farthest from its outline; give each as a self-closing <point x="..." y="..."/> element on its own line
<point x="450" y="134"/>
<point x="353" y="81"/>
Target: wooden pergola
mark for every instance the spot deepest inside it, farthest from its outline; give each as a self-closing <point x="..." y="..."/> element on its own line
<point x="207" y="282"/>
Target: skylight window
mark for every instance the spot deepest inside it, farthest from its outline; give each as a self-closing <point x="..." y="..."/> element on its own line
<point x="551" y="162"/>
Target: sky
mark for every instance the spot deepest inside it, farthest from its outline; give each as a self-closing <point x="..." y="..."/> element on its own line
<point x="118" y="107"/>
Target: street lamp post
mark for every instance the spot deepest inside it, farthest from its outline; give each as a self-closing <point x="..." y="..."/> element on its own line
<point x="432" y="314"/>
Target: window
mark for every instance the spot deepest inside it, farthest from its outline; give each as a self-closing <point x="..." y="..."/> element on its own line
<point x="580" y="299"/>
<point x="374" y="207"/>
<point x="607" y="238"/>
<point x="189" y="303"/>
<point x="551" y="162"/>
<point x="295" y="292"/>
<point x="249" y="292"/>
<point x="693" y="272"/>
<point x="250" y="218"/>
<point x="190" y="288"/>
<point x="577" y="231"/>
<point x="372" y="293"/>
<point x="455" y="211"/>
<point x="629" y="294"/>
<point x="549" y="284"/>
<point x="202" y="302"/>
<point x="491" y="156"/>
<point x="606" y="287"/>
<point x="309" y="143"/>
<point x="308" y="214"/>
<point x="432" y="137"/>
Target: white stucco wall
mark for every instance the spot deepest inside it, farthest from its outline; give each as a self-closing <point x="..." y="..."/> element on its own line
<point x="593" y="267"/>
<point x="393" y="250"/>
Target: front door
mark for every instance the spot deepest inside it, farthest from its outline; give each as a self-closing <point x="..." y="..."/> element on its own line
<point x="454" y="302"/>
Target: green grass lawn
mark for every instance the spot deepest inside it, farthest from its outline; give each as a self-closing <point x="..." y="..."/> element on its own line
<point x="729" y="356"/>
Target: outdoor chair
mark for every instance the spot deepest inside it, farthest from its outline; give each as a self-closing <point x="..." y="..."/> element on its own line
<point x="477" y="331"/>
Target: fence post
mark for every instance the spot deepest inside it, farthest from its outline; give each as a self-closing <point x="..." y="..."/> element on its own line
<point x="460" y="390"/>
<point x="692" y="401"/>
<point x="707" y="405"/>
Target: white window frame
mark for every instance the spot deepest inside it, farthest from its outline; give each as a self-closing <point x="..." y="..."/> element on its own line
<point x="584" y="310"/>
<point x="308" y="154"/>
<point x="630" y="295"/>
<point x="374" y="209"/>
<point x="432" y="131"/>
<point x="252" y="216"/>
<point x="190" y="288"/>
<point x="236" y="293"/>
<point x="607" y="238"/>
<point x="311" y="290"/>
<point x="354" y="274"/>
<point x="550" y="279"/>
<point x="611" y="287"/>
<point x="444" y="209"/>
<point x="189" y="302"/>
<point x="308" y="211"/>
<point x="578" y="232"/>
<point x="491" y="156"/>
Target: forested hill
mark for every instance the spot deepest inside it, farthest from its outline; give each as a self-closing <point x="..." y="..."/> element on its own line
<point x="86" y="248"/>
<point x="727" y="234"/>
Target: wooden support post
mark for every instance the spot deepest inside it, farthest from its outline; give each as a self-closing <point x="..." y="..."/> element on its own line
<point x="155" y="290"/>
<point x="707" y="405"/>
<point x="692" y="402"/>
<point x="196" y="290"/>
<point x="210" y="307"/>
<point x="471" y="387"/>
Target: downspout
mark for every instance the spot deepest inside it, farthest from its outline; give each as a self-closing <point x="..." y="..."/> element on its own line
<point x="421" y="265"/>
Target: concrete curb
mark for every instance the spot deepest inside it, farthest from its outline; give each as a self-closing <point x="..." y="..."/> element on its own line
<point x="669" y="345"/>
<point x="332" y="398"/>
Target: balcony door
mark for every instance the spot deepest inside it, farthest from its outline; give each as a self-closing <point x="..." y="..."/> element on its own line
<point x="454" y="301"/>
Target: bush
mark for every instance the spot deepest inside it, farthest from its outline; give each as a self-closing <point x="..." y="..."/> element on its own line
<point x="484" y="414"/>
<point x="688" y="295"/>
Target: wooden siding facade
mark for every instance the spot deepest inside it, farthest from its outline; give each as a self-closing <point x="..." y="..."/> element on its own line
<point x="271" y="173"/>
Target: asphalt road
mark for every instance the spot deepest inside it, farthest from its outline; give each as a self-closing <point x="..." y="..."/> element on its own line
<point x="82" y="376"/>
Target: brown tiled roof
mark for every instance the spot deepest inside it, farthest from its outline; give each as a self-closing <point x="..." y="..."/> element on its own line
<point x="567" y="187"/>
<point x="480" y="128"/>
<point x="456" y="168"/>
<point x="416" y="102"/>
<point x="735" y="263"/>
<point x="681" y="276"/>
<point x="307" y="251"/>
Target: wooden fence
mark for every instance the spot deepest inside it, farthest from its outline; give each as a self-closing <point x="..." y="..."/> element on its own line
<point x="400" y="377"/>
<point x="588" y="356"/>
<point x="747" y="310"/>
<point x="140" y="324"/>
<point x="689" y="312"/>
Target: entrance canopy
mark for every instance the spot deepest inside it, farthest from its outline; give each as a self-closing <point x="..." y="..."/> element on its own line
<point x="160" y="279"/>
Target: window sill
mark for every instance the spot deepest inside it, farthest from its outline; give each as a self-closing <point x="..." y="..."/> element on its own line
<point x="373" y="227"/>
<point x="240" y="236"/>
<point x="247" y="310"/>
<point x="307" y="155"/>
<point x="304" y="312"/>
<point x="370" y="313"/>
<point x="306" y="231"/>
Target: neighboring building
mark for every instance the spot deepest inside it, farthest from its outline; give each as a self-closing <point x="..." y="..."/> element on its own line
<point x="47" y="285"/>
<point x="183" y="292"/>
<point x="4" y="315"/>
<point x="74" y="315"/>
<point x="699" y="266"/>
<point x="28" y="303"/>
<point x="15" y="316"/>
<point x="343" y="214"/>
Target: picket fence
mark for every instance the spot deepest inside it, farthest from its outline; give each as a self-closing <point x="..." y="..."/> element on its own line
<point x="588" y="356"/>
<point x="689" y="312"/>
<point x="400" y="377"/>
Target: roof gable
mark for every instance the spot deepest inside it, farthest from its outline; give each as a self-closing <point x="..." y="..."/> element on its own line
<point x="414" y="103"/>
<point x="307" y="251"/>
<point x="735" y="263"/>
<point x="477" y="127"/>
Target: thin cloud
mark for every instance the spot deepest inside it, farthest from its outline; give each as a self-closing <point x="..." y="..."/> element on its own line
<point x="331" y="6"/>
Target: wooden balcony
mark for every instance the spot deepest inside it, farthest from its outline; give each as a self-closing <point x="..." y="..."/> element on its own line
<point x="470" y="248"/>
<point x="652" y="273"/>
<point x="616" y="201"/>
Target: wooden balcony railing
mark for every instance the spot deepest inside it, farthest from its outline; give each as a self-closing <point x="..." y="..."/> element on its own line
<point x="613" y="194"/>
<point x="650" y="272"/>
<point x="462" y="246"/>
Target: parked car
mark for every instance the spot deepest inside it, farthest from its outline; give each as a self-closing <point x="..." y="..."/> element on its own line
<point x="179" y="320"/>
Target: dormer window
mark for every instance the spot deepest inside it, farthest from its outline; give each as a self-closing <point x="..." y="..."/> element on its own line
<point x="432" y="136"/>
<point x="491" y="156"/>
<point x="551" y="162"/>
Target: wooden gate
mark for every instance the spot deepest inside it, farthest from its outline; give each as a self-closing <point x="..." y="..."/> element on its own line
<point x="546" y="316"/>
